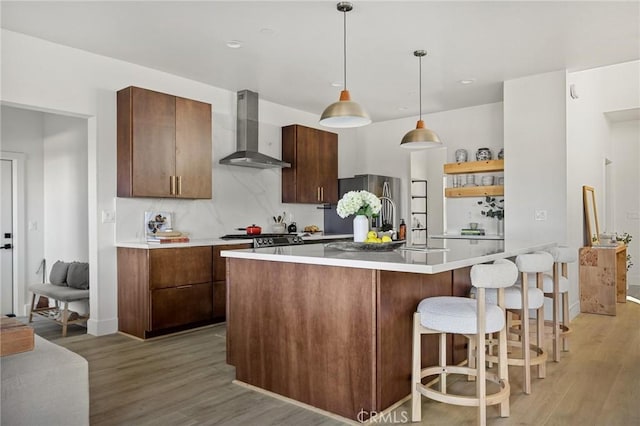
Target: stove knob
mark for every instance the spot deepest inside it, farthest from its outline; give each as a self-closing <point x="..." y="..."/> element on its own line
<point x="258" y="242"/>
<point x="270" y="241"/>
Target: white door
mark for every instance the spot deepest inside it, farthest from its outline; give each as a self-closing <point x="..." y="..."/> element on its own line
<point x="6" y="234"/>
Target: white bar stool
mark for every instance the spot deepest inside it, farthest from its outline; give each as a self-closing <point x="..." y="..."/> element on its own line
<point x="473" y="319"/>
<point x="532" y="296"/>
<point x="555" y="286"/>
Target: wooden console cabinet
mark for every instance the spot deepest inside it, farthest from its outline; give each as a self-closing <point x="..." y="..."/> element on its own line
<point x="603" y="279"/>
<point x="313" y="155"/>
<point x="164" y="145"/>
<point x="163" y="290"/>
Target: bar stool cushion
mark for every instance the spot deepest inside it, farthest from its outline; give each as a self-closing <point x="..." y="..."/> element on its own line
<point x="450" y="314"/>
<point x="564" y="254"/>
<point x="513" y="298"/>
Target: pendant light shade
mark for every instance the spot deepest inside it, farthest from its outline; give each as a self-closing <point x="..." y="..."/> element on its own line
<point x="344" y="113"/>
<point x="420" y="137"/>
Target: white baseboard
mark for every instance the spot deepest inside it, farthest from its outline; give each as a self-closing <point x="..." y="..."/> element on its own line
<point x="102" y="327"/>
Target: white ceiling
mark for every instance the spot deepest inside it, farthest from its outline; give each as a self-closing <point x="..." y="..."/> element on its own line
<point x="292" y="51"/>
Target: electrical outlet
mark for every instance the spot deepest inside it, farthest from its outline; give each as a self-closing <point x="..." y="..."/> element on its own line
<point x="541" y="214"/>
<point x="108" y="216"/>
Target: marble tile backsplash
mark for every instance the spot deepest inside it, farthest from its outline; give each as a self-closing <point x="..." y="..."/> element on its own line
<point x="241" y="197"/>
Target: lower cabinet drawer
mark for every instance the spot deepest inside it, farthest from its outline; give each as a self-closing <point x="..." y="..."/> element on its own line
<point x="176" y="306"/>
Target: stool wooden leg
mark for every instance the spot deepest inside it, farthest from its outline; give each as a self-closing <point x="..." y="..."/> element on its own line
<point x="556" y="312"/>
<point x="65" y="317"/>
<point x="565" y="319"/>
<point x="542" y="368"/>
<point x="416" y="398"/>
<point x="443" y="362"/>
<point x="524" y="317"/>
<point x="472" y="348"/>
<point x="481" y="381"/>
<point x="33" y="306"/>
<point x="503" y="368"/>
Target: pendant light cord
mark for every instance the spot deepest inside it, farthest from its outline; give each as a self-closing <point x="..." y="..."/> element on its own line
<point x="420" y="87"/>
<point x="344" y="14"/>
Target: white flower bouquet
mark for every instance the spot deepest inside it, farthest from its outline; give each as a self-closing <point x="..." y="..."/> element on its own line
<point x="358" y="203"/>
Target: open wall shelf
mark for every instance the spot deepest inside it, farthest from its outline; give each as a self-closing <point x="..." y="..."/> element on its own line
<point x="474" y="167"/>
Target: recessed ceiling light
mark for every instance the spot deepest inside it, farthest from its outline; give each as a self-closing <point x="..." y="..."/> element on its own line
<point x="467" y="81"/>
<point x="267" y="31"/>
<point x="234" y="44"/>
<point x="403" y="108"/>
<point x="337" y="84"/>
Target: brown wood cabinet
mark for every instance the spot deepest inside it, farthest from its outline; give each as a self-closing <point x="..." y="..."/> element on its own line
<point x="313" y="176"/>
<point x="161" y="290"/>
<point x="164" y="145"/>
<point x="220" y="280"/>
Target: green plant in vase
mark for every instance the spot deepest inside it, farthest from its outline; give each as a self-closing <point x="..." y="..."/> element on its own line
<point x="625" y="238"/>
<point x="492" y="207"/>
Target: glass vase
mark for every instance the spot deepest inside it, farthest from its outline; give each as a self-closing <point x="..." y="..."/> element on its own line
<point x="360" y="228"/>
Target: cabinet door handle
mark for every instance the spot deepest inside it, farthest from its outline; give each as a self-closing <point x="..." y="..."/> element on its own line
<point x="179" y="178"/>
<point x="184" y="286"/>
<point x="322" y="193"/>
<point x="172" y="185"/>
<point x="318" y="193"/>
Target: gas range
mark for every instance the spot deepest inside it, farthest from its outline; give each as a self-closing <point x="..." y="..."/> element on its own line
<point x="267" y="240"/>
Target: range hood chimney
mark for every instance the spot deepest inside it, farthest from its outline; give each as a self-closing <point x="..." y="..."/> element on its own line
<point x="247" y="154"/>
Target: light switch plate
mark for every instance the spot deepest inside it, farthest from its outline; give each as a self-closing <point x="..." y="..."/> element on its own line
<point x="108" y="216"/>
<point x="541" y="214"/>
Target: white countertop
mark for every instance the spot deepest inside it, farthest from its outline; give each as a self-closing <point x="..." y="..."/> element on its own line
<point x="443" y="255"/>
<point x="219" y="242"/>
<point x="468" y="237"/>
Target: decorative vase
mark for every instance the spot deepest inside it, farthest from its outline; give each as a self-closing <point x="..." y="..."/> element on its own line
<point x="483" y="154"/>
<point x="360" y="228"/>
<point x="461" y="155"/>
<point x="501" y="227"/>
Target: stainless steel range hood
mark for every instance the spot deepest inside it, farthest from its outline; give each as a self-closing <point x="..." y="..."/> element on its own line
<point x="247" y="154"/>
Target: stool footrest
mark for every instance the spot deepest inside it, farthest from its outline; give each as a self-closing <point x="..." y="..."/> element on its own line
<point x="541" y="358"/>
<point x="468" y="401"/>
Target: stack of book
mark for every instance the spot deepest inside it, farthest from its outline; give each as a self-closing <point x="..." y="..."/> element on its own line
<point x="469" y="231"/>
<point x="167" y="238"/>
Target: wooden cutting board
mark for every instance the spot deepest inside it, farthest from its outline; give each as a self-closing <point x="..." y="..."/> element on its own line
<point x="15" y="337"/>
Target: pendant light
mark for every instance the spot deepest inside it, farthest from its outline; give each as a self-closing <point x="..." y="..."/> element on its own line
<point x="344" y="113"/>
<point x="420" y="137"/>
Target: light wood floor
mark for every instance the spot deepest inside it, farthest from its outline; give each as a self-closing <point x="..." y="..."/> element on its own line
<point x="184" y="380"/>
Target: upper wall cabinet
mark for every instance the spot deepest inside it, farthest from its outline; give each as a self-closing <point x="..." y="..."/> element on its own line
<point x="313" y="176"/>
<point x="164" y="145"/>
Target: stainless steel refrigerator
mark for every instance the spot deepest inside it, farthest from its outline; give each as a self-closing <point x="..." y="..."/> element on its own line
<point x="381" y="186"/>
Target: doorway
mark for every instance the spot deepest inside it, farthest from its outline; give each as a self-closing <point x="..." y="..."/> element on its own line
<point x="51" y="194"/>
<point x="6" y="242"/>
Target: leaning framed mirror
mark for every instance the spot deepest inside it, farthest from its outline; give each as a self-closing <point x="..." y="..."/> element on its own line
<point x="590" y="216"/>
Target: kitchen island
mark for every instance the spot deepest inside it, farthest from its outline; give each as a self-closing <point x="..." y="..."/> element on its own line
<point x="332" y="328"/>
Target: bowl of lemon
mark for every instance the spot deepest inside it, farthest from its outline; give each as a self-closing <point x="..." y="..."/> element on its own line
<point x="372" y="243"/>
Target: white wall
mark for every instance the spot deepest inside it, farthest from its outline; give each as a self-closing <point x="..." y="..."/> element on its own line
<point x="56" y="78"/>
<point x="470" y="128"/>
<point x="625" y="138"/>
<point x="535" y="158"/>
<point x="600" y="90"/>
<point x="22" y="131"/>
<point x="65" y="189"/>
